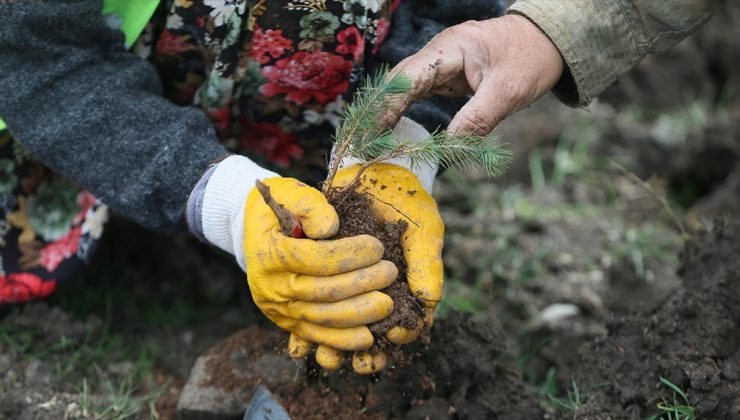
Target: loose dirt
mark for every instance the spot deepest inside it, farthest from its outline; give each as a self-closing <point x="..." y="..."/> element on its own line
<point x="692" y="338"/>
<point x="461" y="375"/>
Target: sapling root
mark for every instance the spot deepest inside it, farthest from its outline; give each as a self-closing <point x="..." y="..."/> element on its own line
<point x="289" y="223"/>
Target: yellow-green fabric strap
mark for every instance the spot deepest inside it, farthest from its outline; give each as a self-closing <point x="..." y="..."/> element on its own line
<point x="134" y="15"/>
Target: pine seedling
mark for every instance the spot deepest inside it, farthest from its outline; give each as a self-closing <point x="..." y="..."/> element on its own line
<point x="361" y="136"/>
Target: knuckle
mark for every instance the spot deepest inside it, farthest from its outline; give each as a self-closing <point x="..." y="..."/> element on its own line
<point x="475" y="122"/>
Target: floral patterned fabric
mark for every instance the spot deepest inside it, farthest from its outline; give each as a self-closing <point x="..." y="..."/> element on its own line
<point x="274" y="78"/>
<point x="48" y="226"/>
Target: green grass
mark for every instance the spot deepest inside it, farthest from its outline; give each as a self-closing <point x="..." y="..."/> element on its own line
<point x="646" y="242"/>
<point x="508" y="263"/>
<point x="575" y="396"/>
<point x="77" y="367"/>
<point x="678" y="408"/>
<point x="572" y="401"/>
<point x="528" y="349"/>
<point x="120" y="399"/>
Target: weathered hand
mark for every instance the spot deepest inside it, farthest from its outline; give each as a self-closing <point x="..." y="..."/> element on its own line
<point x="322" y="291"/>
<point x="506" y="63"/>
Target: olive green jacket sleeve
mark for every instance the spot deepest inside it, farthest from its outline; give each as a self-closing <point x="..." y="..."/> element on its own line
<point x="602" y="39"/>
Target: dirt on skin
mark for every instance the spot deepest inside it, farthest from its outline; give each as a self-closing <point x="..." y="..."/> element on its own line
<point x="691" y="338"/>
<point x="357" y="218"/>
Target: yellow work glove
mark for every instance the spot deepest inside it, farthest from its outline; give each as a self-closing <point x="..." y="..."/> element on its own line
<point x="394" y="190"/>
<point x="322" y="291"/>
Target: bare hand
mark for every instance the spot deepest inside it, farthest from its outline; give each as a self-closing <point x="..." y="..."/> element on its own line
<point x="506" y="63"/>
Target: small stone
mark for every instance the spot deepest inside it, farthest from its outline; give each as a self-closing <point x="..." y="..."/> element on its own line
<point x="5" y="362"/>
<point x="201" y="400"/>
<point x="558" y="312"/>
<point x="223" y="379"/>
<point x="565" y="259"/>
<point x="276" y="369"/>
<point x="38" y="373"/>
<point x="48" y="405"/>
<point x="73" y="411"/>
<point x="188" y="337"/>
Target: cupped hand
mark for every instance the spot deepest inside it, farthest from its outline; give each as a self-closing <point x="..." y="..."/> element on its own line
<point x="322" y="291"/>
<point x="396" y="193"/>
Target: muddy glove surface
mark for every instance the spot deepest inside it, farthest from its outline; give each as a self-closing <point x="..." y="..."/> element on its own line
<point x="322" y="291"/>
<point x="397" y="194"/>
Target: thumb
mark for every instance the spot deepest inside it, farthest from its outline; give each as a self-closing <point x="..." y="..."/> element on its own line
<point x="317" y="217"/>
<point x="427" y="70"/>
<point x="483" y="111"/>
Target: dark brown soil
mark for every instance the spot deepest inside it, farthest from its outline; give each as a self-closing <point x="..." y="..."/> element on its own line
<point x="463" y="375"/>
<point x="244" y="346"/>
<point x="691" y="338"/>
<point x="356" y="218"/>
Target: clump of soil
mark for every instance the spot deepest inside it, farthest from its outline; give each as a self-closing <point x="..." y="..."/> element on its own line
<point x="691" y="338"/>
<point x="356" y="217"/>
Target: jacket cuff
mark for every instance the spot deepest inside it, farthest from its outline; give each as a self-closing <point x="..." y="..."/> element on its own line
<point x="410" y="131"/>
<point x="595" y="39"/>
<point x="215" y="210"/>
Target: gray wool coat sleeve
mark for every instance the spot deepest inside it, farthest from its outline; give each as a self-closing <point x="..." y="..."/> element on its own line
<point x="93" y="112"/>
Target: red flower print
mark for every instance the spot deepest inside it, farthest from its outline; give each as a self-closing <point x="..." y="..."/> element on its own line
<point x="270" y="141"/>
<point x="220" y="117"/>
<point x="306" y="75"/>
<point x="85" y="200"/>
<point x="54" y="253"/>
<point x="394" y="5"/>
<point x="351" y="42"/>
<point x="268" y="44"/>
<point x="171" y="44"/>
<point x="380" y="33"/>
<point x="22" y="287"/>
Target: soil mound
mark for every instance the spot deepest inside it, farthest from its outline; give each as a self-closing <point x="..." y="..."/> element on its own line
<point x="692" y="338"/>
<point x="459" y="376"/>
<point x="462" y="375"/>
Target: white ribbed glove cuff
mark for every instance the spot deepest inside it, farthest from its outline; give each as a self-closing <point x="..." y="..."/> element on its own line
<point x="222" y="203"/>
<point x="410" y="131"/>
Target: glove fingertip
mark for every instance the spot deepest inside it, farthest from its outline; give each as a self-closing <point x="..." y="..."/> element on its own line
<point x="329" y="358"/>
<point x="400" y="336"/>
<point x="365" y="363"/>
<point x="298" y="348"/>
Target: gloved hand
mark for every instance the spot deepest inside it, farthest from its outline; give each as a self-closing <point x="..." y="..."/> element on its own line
<point x="397" y="193"/>
<point x="322" y="291"/>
